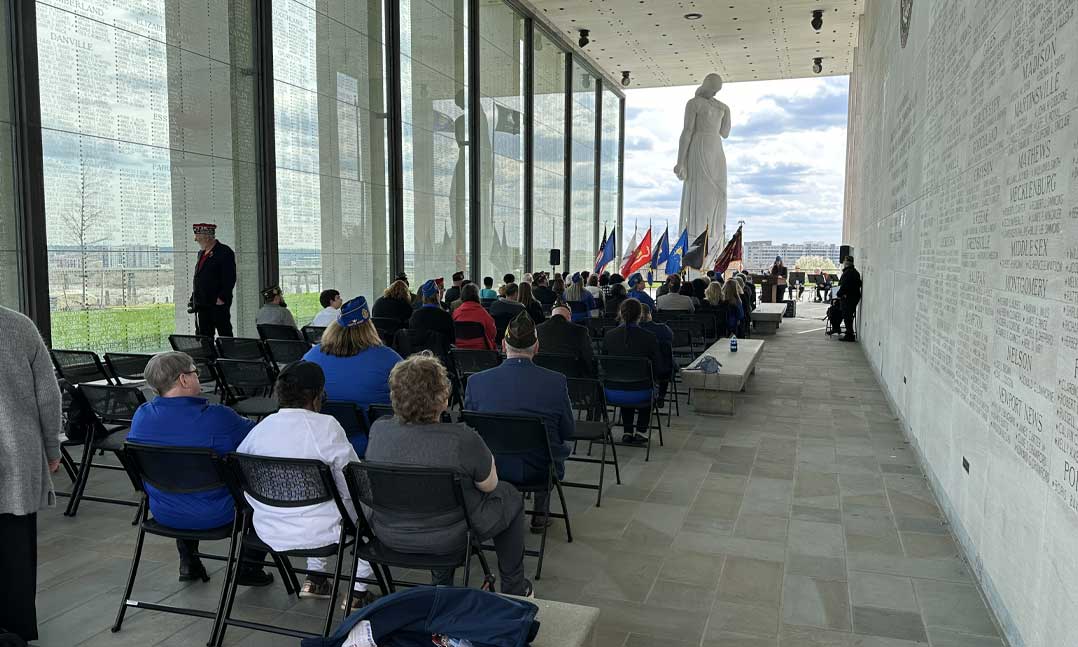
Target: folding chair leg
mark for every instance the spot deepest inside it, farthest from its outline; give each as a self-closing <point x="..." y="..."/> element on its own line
<point x="468" y="560"/>
<point x="130" y="581"/>
<point x="288" y="576"/>
<point x="602" y="471"/>
<point x="542" y="542"/>
<point x="80" y="482"/>
<point x="68" y="463"/>
<point x="336" y="584"/>
<point x="231" y="571"/>
<point x="614" y="452"/>
<point x="231" y="584"/>
<point x="565" y="511"/>
<point x="389" y="579"/>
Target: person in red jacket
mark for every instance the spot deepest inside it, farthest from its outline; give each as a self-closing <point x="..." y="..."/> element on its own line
<point x="471" y="310"/>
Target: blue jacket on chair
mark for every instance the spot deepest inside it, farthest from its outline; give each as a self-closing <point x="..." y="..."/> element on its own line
<point x="519" y="387"/>
<point x="408" y="618"/>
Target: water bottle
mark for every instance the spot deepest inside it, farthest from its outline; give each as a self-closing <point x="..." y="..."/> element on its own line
<point x="733" y="343"/>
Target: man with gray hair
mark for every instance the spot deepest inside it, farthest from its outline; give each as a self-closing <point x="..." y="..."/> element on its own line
<point x="181" y="417"/>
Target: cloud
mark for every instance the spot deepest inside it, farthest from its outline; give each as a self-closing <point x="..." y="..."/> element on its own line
<point x="786" y="157"/>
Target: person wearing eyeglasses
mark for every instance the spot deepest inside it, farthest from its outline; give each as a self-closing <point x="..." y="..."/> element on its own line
<point x="181" y="417"/>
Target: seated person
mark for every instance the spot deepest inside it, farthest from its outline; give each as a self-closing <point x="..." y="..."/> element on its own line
<point x="415" y="435"/>
<point x="559" y="335"/>
<point x="274" y="310"/>
<point x="488" y="291"/>
<point x="180" y="417"/>
<point x="688" y="290"/>
<point x="576" y="292"/>
<point x="430" y="316"/>
<point x="519" y="387"/>
<point x="471" y="310"/>
<point x="665" y="368"/>
<point x="712" y="297"/>
<point x="395" y="304"/>
<point x="542" y="292"/>
<point x="354" y="363"/>
<point x="509" y="304"/>
<point x="735" y="308"/>
<point x="671" y="284"/>
<point x="297" y="430"/>
<point x="460" y="296"/>
<point x="630" y="340"/>
<point x="596" y="293"/>
<point x="453" y="293"/>
<point x="331" y="307"/>
<point x="614" y="299"/>
<point x="673" y="300"/>
<point x="636" y="290"/>
<point x="533" y="307"/>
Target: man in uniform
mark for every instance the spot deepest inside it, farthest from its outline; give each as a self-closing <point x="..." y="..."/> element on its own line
<point x="215" y="277"/>
<point x="849" y="290"/>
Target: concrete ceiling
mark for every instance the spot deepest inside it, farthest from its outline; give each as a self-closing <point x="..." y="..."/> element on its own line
<point x="743" y="40"/>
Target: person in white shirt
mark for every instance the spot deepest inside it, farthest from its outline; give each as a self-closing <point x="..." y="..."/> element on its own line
<point x="297" y="430"/>
<point x="675" y="301"/>
<point x="331" y="307"/>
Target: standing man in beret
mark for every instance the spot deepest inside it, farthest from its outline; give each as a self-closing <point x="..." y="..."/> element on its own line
<point x="215" y="278"/>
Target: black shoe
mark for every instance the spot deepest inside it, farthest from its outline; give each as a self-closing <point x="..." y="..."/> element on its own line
<point x="847" y="338"/>
<point x="640" y="439"/>
<point x="537" y="525"/>
<point x="254" y="577"/>
<point x="192" y="570"/>
<point x="627" y="439"/>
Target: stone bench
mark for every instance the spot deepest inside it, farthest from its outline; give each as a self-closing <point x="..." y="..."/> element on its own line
<point x="767" y="317"/>
<point x="565" y="625"/>
<point x="714" y="393"/>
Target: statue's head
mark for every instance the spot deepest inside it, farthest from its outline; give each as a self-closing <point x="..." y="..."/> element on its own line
<point x="711" y="85"/>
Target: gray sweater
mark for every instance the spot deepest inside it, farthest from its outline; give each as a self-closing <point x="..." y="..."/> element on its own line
<point x="29" y="417"/>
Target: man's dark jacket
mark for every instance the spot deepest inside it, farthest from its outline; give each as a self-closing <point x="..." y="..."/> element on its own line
<point x="215" y="278"/>
<point x="561" y="337"/>
<point x="849" y="284"/>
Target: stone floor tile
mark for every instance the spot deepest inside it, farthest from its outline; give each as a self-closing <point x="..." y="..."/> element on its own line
<point x="815" y="603"/>
<point x="751" y="581"/>
<point x="814" y="538"/>
<point x="822" y="568"/>
<point x="882" y="591"/>
<point x="954" y="606"/>
<point x="678" y="595"/>
<point x="904" y="625"/>
<point x="758" y="526"/>
<point x="816" y="513"/>
<point x="930" y="546"/>
<point x="692" y="568"/>
<point x="728" y="617"/>
<point x="940" y="637"/>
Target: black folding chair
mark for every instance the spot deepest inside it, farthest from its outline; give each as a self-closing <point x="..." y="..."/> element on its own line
<point x="176" y="470"/>
<point x="409" y="341"/>
<point x="592" y="426"/>
<point x="709" y="325"/>
<point x="283" y="352"/>
<point x="286" y="483"/>
<point x="696" y="332"/>
<point x="349" y="416"/>
<point x="79" y="367"/>
<point x="567" y="365"/>
<point x="240" y="348"/>
<point x="512" y="437"/>
<point x="410" y="491"/>
<point x="501" y="322"/>
<point x="387" y="326"/>
<point x="313" y="334"/>
<point x="129" y="367"/>
<point x="376" y="411"/>
<point x="469" y="362"/>
<point x="469" y="330"/>
<point x="486" y="303"/>
<point x="633" y="374"/>
<point x="579" y="309"/>
<point x="114" y="407"/>
<point x="248" y="386"/>
<point x="202" y="350"/>
<point x="278" y="331"/>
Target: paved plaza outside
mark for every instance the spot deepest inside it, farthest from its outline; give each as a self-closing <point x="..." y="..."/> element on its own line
<point x="804" y="520"/>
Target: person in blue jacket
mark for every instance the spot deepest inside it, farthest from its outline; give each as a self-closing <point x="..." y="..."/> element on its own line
<point x="355" y="362"/>
<point x="519" y="387"/>
<point x="636" y="291"/>
<point x="180" y="417"/>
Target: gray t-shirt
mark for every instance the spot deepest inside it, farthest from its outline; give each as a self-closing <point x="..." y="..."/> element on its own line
<point x="271" y="313"/>
<point x="452" y="446"/>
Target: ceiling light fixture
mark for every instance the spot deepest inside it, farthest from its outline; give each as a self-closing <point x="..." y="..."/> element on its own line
<point x="693" y="16"/>
<point x="817" y="19"/>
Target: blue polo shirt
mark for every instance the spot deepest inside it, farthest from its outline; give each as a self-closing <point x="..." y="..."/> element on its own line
<point x="362" y="378"/>
<point x="643" y="297"/>
<point x="190" y="422"/>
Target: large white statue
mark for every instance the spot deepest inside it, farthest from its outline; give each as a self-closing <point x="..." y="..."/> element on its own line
<point x="701" y="164"/>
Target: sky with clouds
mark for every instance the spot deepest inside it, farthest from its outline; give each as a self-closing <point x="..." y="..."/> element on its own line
<point x="786" y="158"/>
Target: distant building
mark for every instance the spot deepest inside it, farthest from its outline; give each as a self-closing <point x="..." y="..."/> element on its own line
<point x="760" y="254"/>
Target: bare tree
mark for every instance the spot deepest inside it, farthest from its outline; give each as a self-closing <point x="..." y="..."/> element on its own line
<point x="82" y="221"/>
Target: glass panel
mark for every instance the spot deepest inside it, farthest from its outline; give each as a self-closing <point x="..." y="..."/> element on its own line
<point x="330" y="139"/>
<point x="147" y="113"/>
<point x="582" y="216"/>
<point x="548" y="175"/>
<point x="434" y="102"/>
<point x="501" y="143"/>
<point x="9" y="237"/>
<point x="608" y="178"/>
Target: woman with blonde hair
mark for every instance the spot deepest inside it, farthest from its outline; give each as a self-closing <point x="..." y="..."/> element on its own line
<point x="355" y="362"/>
<point x="395" y="303"/>
<point x="712" y="295"/>
<point x="735" y="312"/>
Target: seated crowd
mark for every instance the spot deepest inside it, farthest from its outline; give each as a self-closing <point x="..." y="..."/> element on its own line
<point x="354" y="364"/>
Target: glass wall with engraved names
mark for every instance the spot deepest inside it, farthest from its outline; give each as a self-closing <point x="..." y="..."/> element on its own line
<point x="330" y="134"/>
<point x="147" y="111"/>
<point x="548" y="168"/>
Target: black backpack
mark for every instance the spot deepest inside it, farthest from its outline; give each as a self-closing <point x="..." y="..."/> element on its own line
<point x="79" y="419"/>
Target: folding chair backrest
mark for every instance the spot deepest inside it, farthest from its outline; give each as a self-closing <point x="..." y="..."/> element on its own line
<point x="113" y="404"/>
<point x="127" y="366"/>
<point x="578" y="307"/>
<point x="283" y="482"/>
<point x="245" y="377"/>
<point x="486" y="303"/>
<point x="277" y="331"/>
<point x="465" y="330"/>
<point x="472" y="361"/>
<point x="588" y="398"/>
<point x="348" y="414"/>
<point x="286" y="351"/>
<point x="501" y="322"/>
<point x="201" y="349"/>
<point x="693" y="326"/>
<point x="409" y="341"/>
<point x="404" y="489"/>
<point x="240" y="348"/>
<point x="597" y="327"/>
<point x="313" y="334"/>
<point x="629" y="373"/>
<point x="567" y="365"/>
<point x="175" y="470"/>
<point x="387" y="324"/>
<point x="79" y="366"/>
<point x="507" y="434"/>
<point x="682" y="338"/>
<point x="376" y="411"/>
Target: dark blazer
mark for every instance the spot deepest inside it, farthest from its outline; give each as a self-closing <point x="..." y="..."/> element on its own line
<point x="452" y="293"/>
<point x="544" y="295"/>
<point x="633" y="341"/>
<point x="392" y="309"/>
<point x="433" y="318"/>
<point x="849" y="284"/>
<point x="216" y="278"/>
<point x="558" y="336"/>
<point x="519" y="387"/>
<point x="535" y="311"/>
